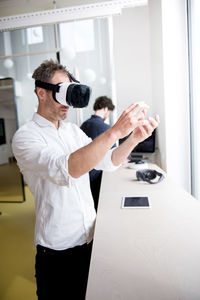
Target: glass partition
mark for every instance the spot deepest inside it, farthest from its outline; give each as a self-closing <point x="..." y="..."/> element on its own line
<point x="11" y="181"/>
<point x="22" y="51"/>
<point x="85" y="50"/>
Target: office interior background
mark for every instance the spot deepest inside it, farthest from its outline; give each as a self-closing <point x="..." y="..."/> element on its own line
<point x="128" y="50"/>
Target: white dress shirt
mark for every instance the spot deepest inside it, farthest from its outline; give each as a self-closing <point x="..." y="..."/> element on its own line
<point x="65" y="213"/>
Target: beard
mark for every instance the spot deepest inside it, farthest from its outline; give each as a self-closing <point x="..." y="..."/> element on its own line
<point x="56" y="111"/>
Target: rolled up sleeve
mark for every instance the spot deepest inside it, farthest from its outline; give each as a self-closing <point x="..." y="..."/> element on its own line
<point x="106" y="163"/>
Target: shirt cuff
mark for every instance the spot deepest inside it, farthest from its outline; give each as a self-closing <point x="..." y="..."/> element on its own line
<point x="106" y="163"/>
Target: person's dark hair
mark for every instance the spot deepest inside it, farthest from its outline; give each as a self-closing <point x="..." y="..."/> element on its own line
<point x="47" y="70"/>
<point x="102" y="102"/>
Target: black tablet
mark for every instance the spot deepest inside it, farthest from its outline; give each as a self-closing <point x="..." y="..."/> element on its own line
<point x="134" y="202"/>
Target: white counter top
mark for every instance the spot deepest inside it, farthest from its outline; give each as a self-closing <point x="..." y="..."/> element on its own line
<point x="145" y="253"/>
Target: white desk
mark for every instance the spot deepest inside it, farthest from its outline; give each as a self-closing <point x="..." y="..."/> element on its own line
<point x="145" y="254"/>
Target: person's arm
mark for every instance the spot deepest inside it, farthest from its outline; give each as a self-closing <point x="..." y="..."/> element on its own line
<point x="84" y="159"/>
<point x="139" y="134"/>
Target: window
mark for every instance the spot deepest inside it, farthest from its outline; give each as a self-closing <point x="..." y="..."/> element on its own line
<point x="194" y="59"/>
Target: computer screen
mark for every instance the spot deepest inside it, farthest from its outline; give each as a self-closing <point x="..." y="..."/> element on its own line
<point x="145" y="147"/>
<point x="2" y="132"/>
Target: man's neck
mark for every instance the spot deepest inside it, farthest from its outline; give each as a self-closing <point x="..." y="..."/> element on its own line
<point x="100" y="113"/>
<point x="55" y="122"/>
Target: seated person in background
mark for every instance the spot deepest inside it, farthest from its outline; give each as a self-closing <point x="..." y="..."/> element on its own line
<point x="96" y="125"/>
<point x="93" y="127"/>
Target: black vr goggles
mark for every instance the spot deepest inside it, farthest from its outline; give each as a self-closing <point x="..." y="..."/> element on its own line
<point x="68" y="93"/>
<point x="149" y="175"/>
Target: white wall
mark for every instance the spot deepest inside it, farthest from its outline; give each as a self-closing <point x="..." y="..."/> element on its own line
<point x="134" y="65"/>
<point x="176" y="90"/>
<point x="157" y="81"/>
<point x="132" y="57"/>
<point x="151" y="64"/>
<point x="170" y="83"/>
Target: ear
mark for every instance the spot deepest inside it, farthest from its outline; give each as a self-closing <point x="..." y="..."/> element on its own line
<point x="41" y="93"/>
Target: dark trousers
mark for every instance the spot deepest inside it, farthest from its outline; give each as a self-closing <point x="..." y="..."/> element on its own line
<point x="95" y="185"/>
<point x="62" y="275"/>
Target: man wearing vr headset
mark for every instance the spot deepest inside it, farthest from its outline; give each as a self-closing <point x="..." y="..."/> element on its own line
<point x="55" y="158"/>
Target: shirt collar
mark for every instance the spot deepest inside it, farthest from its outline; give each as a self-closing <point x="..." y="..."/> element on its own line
<point x="97" y="117"/>
<point x="43" y="122"/>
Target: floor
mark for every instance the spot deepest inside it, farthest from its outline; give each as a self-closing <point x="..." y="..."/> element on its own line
<point x="17" y="252"/>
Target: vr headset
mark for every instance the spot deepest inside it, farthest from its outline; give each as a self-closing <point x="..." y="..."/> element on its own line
<point x="68" y="93"/>
<point x="149" y="175"/>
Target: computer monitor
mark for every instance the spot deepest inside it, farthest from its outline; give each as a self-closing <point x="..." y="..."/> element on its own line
<point x="2" y="132"/>
<point x="142" y="149"/>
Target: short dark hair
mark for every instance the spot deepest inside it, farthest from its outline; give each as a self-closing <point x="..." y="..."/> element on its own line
<point x="102" y="102"/>
<point x="47" y="69"/>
